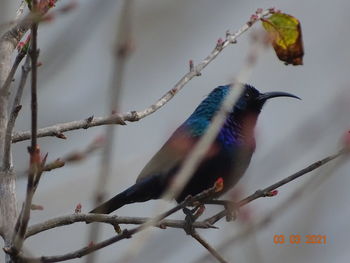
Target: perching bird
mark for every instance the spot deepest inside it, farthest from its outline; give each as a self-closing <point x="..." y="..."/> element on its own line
<point x="228" y="157"/>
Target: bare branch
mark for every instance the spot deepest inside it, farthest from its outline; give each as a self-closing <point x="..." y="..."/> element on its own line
<point x="75" y="156"/>
<point x="138" y="115"/>
<point x="6" y="86"/>
<point x="33" y="53"/>
<point x="20" y="9"/>
<point x="264" y="192"/>
<point x="108" y="219"/>
<point x="205" y="244"/>
<point x="16" y="107"/>
<point x="58" y="129"/>
<point x="72" y="157"/>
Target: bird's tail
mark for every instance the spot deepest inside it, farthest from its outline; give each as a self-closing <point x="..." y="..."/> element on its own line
<point x="111" y="205"/>
<point x="142" y="191"/>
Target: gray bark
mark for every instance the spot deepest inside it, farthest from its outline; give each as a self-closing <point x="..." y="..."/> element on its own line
<point x="8" y="203"/>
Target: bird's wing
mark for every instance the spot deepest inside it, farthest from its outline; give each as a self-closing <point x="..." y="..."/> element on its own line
<point x="170" y="156"/>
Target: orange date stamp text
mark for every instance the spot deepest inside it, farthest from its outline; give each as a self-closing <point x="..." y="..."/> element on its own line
<point x="299" y="239"/>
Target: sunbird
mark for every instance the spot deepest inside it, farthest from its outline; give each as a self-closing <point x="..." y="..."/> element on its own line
<point x="227" y="158"/>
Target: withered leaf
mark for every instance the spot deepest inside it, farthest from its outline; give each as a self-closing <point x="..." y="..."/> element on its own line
<point x="286" y="37"/>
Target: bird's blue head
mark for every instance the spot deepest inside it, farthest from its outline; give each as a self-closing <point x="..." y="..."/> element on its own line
<point x="250" y="102"/>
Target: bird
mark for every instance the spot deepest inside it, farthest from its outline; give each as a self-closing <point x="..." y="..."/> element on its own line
<point x="227" y="158"/>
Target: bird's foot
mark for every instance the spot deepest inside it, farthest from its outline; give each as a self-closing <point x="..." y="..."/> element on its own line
<point x="232" y="209"/>
<point x="191" y="216"/>
<point x="189" y="220"/>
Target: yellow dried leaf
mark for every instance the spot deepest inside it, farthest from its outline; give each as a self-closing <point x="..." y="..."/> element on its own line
<point x="286" y="37"/>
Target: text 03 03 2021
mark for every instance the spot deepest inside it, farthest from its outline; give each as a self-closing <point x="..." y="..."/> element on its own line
<point x="299" y="239"/>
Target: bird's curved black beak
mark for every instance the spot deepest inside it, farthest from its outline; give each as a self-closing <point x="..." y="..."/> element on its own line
<point x="274" y="94"/>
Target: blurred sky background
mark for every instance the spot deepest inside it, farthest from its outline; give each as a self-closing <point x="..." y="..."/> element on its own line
<point x="76" y="52"/>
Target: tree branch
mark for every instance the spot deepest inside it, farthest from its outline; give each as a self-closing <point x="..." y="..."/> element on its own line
<point x="132" y="116"/>
<point x="33" y="53"/>
<point x="16" y="107"/>
<point x="263" y="193"/>
<point x="108" y="219"/>
<point x="205" y="244"/>
<point x="6" y="86"/>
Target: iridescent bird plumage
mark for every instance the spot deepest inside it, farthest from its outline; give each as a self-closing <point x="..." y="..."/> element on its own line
<point x="227" y="158"/>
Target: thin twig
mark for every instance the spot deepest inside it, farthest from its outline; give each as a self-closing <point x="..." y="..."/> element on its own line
<point x="85" y="250"/>
<point x="108" y="219"/>
<point x="205" y="244"/>
<point x="264" y="192"/>
<point x="57" y="130"/>
<point x="33" y="52"/>
<point x="132" y="116"/>
<point x="20" y="9"/>
<point x="16" y="107"/>
<point x="75" y="156"/>
<point x="72" y="157"/>
<point x="6" y="86"/>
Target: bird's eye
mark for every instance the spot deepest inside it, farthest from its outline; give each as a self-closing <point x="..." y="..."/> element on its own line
<point x="247" y="95"/>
